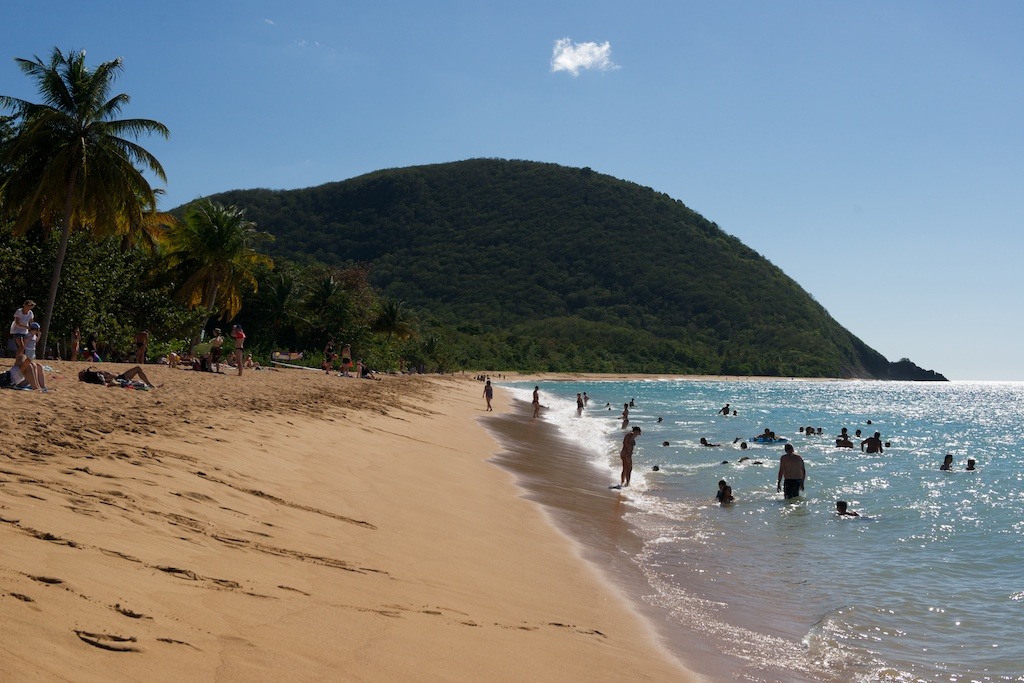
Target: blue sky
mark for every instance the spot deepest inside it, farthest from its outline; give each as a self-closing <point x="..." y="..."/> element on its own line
<point x="872" y="150"/>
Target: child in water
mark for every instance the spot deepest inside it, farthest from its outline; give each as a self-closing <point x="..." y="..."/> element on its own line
<point x="842" y="511"/>
<point x="724" y="494"/>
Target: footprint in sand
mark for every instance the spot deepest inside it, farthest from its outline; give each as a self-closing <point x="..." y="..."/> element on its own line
<point x="129" y="613"/>
<point x="107" y="641"/>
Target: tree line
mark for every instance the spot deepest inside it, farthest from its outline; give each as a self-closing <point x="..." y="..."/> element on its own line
<point x="75" y="202"/>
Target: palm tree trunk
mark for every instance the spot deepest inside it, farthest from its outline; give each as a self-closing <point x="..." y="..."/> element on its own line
<point x="58" y="264"/>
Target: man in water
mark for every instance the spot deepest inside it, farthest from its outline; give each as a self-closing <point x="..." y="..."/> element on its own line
<point x="791" y="469"/>
<point x="628" y="444"/>
<point x="536" y="401"/>
<point x="724" y="410"/>
<point x="873" y="443"/>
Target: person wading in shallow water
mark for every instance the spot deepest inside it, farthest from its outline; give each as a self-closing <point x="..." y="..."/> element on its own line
<point x="536" y="401"/>
<point x="791" y="469"/>
<point x="628" y="444"/>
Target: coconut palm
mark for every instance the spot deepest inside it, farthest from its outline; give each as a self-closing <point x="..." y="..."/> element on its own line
<point x="213" y="258"/>
<point x="393" y="320"/>
<point x="276" y="308"/>
<point x="70" y="163"/>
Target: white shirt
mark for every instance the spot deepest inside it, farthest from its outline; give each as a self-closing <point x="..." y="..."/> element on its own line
<point x="16" y="376"/>
<point x="30" y="344"/>
<point x="21" y="321"/>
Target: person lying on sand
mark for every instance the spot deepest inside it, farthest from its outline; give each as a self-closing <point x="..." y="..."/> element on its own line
<point x="93" y="376"/>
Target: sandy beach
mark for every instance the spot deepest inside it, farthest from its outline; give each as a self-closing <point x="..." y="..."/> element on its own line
<point x="289" y="525"/>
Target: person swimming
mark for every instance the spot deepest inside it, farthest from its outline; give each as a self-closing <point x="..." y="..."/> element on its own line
<point x="842" y="511"/>
<point x="947" y="463"/>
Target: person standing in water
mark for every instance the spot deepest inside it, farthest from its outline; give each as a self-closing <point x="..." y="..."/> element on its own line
<point x="628" y="444"/>
<point x="536" y="401"/>
<point x="791" y="469"/>
<point x="873" y="443"/>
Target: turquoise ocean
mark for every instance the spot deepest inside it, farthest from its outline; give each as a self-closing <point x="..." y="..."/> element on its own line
<point x="926" y="585"/>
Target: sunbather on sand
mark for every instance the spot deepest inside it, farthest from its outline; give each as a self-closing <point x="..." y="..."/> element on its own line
<point x="26" y="374"/>
<point x="92" y="376"/>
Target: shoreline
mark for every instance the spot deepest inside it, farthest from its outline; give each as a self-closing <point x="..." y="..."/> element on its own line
<point x="284" y="525"/>
<point x="555" y="473"/>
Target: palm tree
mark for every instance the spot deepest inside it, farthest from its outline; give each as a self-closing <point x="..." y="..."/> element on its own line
<point x="69" y="163"/>
<point x="211" y="252"/>
<point x="276" y="308"/>
<point x="393" y="320"/>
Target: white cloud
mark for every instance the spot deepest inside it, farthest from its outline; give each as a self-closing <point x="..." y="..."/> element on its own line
<point x="268" y="21"/>
<point x="572" y="57"/>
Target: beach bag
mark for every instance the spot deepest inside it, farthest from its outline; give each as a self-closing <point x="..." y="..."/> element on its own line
<point x="5" y="379"/>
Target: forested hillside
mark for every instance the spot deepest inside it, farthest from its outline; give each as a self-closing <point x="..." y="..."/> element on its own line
<point x="525" y="265"/>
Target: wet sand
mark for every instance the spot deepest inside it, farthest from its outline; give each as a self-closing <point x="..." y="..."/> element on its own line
<point x="555" y="472"/>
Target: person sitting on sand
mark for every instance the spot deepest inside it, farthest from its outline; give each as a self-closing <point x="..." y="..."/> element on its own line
<point x="27" y="375"/>
<point x="93" y="376"/>
<point x="704" y="442"/>
<point x="947" y="463"/>
<point x="250" y="363"/>
<point x="842" y="511"/>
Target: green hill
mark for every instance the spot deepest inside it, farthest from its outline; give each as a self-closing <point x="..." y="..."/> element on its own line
<point x="537" y="266"/>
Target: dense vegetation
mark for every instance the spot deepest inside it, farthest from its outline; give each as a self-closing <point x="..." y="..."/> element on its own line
<point x="531" y="266"/>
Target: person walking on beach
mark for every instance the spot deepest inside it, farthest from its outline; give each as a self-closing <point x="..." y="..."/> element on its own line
<point x="536" y="401"/>
<point x="141" y="341"/>
<point x="239" y="336"/>
<point x="20" y="325"/>
<point x="215" y="349"/>
<point x="791" y="469"/>
<point x="76" y="342"/>
<point x="346" y="360"/>
<point x="873" y="443"/>
<point x="628" y="444"/>
<point x="488" y="394"/>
